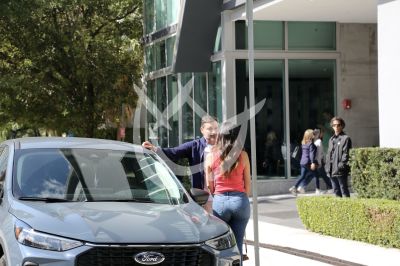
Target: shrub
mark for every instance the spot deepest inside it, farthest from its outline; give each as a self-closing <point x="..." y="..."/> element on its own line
<point x="375" y="172"/>
<point x="375" y="221"/>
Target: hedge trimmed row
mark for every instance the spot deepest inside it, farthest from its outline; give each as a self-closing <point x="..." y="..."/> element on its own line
<point x="374" y="221"/>
<point x="375" y="172"/>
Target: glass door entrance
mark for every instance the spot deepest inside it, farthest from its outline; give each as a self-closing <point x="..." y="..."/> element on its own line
<point x="310" y="101"/>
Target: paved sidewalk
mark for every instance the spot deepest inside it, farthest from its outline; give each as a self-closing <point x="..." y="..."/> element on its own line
<point x="301" y="247"/>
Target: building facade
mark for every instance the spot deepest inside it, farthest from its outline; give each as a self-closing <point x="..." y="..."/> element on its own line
<point x="312" y="60"/>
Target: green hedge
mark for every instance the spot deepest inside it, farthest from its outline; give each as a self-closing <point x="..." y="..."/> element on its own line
<point x="374" y="221"/>
<point x="375" y="172"/>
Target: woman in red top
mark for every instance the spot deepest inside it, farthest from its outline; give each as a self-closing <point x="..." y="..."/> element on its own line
<point x="227" y="170"/>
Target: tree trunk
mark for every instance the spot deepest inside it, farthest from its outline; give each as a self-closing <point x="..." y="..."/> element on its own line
<point x="91" y="124"/>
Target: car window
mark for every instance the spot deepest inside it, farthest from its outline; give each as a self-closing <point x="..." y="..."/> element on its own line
<point x="94" y="175"/>
<point x="42" y="174"/>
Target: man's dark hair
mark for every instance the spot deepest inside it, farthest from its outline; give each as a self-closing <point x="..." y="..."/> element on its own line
<point x="208" y="119"/>
<point x="337" y="118"/>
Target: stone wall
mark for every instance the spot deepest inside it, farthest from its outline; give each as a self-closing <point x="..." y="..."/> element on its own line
<point x="358" y="81"/>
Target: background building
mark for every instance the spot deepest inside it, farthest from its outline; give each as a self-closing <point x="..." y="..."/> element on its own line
<point x="313" y="60"/>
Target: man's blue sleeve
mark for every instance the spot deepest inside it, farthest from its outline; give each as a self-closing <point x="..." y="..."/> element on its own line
<point x="182" y="151"/>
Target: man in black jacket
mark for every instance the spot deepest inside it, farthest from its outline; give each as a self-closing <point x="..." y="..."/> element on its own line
<point x="337" y="158"/>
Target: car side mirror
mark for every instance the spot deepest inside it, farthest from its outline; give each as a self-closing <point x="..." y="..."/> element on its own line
<point x="200" y="196"/>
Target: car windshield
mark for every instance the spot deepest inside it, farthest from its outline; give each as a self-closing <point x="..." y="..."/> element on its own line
<point x="64" y="175"/>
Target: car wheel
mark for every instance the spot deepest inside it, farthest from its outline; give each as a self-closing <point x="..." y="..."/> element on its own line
<point x="3" y="261"/>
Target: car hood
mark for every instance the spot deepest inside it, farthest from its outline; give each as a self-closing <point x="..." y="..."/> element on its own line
<point x="121" y="222"/>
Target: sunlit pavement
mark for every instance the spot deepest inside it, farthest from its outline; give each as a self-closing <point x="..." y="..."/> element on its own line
<point x="275" y="258"/>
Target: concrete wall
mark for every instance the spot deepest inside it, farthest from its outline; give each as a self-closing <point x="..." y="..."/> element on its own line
<point x="358" y="82"/>
<point x="389" y="72"/>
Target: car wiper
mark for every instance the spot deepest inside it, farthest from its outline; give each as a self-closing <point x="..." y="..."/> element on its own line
<point x="126" y="200"/>
<point x="47" y="199"/>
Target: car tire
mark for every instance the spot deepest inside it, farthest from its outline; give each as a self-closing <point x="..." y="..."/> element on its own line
<point x="3" y="261"/>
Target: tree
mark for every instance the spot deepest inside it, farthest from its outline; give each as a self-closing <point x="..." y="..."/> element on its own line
<point x="68" y="64"/>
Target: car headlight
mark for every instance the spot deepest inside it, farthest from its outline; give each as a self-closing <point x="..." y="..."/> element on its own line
<point x="27" y="236"/>
<point x="222" y="242"/>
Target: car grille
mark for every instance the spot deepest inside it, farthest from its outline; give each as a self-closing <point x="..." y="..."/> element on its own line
<point x="175" y="255"/>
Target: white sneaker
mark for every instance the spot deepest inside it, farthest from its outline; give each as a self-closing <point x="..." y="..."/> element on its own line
<point x="319" y="192"/>
<point x="293" y="190"/>
<point x="301" y="190"/>
<point x="330" y="191"/>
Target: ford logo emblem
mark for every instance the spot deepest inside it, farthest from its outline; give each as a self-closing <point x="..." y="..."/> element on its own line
<point x="149" y="258"/>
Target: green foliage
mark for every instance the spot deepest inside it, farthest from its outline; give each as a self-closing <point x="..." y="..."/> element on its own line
<point x="372" y="217"/>
<point x="375" y="172"/>
<point x="375" y="221"/>
<point x="68" y="64"/>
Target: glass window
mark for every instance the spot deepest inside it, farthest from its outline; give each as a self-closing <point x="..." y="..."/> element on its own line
<point x="170" y="43"/>
<point x="162" y="107"/>
<point x="151" y="120"/>
<point x="149" y="16"/>
<point x="160" y="55"/>
<point x="270" y="131"/>
<point x="173" y="111"/>
<point x="149" y="59"/>
<point x="161" y="14"/>
<point x="200" y="97"/>
<point x="187" y="111"/>
<point x="173" y="8"/>
<point x="94" y="175"/>
<point x="215" y="91"/>
<point x="311" y="99"/>
<point x="240" y="35"/>
<point x="268" y="35"/>
<point x="311" y="35"/>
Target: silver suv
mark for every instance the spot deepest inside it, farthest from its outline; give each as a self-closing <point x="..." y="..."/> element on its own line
<point x="76" y="201"/>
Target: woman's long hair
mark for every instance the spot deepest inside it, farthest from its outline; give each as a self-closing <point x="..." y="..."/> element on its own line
<point x="228" y="146"/>
<point x="308" y="136"/>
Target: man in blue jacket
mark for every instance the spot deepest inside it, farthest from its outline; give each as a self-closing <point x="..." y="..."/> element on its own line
<point x="193" y="150"/>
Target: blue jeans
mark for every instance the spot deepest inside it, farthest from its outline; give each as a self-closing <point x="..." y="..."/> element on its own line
<point x="233" y="208"/>
<point x="320" y="172"/>
<point x="305" y="173"/>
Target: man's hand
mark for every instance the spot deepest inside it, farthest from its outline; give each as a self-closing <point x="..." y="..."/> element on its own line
<point x="149" y="146"/>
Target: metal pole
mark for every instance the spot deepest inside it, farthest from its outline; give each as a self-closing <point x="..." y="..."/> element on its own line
<point x="249" y="16"/>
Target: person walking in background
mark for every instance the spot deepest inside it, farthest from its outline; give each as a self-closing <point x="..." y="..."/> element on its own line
<point x="326" y="127"/>
<point x="227" y="169"/>
<point x="272" y="154"/>
<point x="308" y="162"/>
<point x="318" y="137"/>
<point x="195" y="151"/>
<point x="320" y="156"/>
<point x="337" y="158"/>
